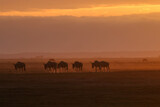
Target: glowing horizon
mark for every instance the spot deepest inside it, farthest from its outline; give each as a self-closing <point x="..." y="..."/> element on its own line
<point x="76" y="26"/>
<point x="94" y="11"/>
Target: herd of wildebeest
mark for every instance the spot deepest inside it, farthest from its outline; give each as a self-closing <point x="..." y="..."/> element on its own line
<point x="63" y="66"/>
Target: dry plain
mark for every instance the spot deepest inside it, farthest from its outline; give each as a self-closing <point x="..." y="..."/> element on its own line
<point x="131" y="83"/>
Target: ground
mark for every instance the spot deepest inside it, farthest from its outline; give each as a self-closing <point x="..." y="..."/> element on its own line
<point x="134" y="87"/>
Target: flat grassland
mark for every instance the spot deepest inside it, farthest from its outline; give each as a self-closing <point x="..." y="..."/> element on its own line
<point x="131" y="83"/>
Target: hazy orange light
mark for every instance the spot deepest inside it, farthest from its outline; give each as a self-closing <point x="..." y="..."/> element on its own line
<point x="95" y="11"/>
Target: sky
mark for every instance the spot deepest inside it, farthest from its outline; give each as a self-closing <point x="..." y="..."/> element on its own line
<point x="79" y="26"/>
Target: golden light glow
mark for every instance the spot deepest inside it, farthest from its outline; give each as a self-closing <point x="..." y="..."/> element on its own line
<point x="95" y="11"/>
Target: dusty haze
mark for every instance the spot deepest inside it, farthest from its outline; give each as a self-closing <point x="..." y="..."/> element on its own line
<point x="86" y="26"/>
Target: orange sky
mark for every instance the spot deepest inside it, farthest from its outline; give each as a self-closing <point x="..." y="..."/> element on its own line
<point x="66" y="4"/>
<point x="118" y="10"/>
<point x="79" y="26"/>
<point x="77" y="8"/>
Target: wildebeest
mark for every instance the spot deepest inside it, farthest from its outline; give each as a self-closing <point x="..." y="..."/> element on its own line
<point x="96" y="64"/>
<point x="105" y="65"/>
<point x="63" y="66"/>
<point x="20" y="66"/>
<point x="77" y="65"/>
<point x="101" y="65"/>
<point x="51" y="66"/>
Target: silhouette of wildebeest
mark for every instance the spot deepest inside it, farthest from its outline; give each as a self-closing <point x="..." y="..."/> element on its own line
<point x="105" y="65"/>
<point x="63" y="66"/>
<point x="20" y="66"/>
<point x="100" y="65"/>
<point x="51" y="66"/>
<point x="96" y="64"/>
<point x="77" y="65"/>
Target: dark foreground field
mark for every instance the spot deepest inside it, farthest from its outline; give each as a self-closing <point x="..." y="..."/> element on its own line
<point x="115" y="89"/>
